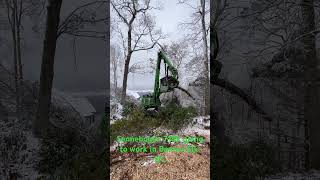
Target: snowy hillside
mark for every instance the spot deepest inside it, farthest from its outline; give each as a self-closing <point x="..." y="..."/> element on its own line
<point x="311" y="175"/>
<point x="200" y="126"/>
<point x="116" y="111"/>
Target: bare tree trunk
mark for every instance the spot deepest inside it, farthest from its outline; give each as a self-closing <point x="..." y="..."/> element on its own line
<point x="114" y="58"/>
<point x="206" y="59"/>
<point x="215" y="69"/>
<point x="311" y="81"/>
<point x="19" y="54"/>
<point x="47" y="67"/>
<point x="18" y="16"/>
<point x="115" y="81"/>
<point x="125" y="78"/>
<point x="126" y="66"/>
<point x="20" y="73"/>
<point x="18" y="50"/>
<point x="14" y="17"/>
<point x="16" y="70"/>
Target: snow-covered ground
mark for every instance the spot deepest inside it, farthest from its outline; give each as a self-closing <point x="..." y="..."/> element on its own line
<point x="18" y="151"/>
<point x="311" y="175"/>
<point x="117" y="108"/>
<point x="199" y="126"/>
<point x="116" y="111"/>
<point x="27" y="169"/>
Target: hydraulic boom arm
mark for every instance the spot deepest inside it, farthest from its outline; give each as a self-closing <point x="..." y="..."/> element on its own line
<point x="163" y="85"/>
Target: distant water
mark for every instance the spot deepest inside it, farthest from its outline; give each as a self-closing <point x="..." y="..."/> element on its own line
<point x="98" y="99"/>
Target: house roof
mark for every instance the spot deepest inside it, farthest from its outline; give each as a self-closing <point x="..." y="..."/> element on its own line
<point x="80" y="104"/>
<point x="83" y="106"/>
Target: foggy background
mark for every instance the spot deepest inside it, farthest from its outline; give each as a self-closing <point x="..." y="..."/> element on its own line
<point x="86" y="73"/>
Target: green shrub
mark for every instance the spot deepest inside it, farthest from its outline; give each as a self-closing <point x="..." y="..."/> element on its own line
<point x="63" y="157"/>
<point x="243" y="162"/>
<point x="85" y="166"/>
<point x="138" y="121"/>
<point x="176" y="116"/>
<point x="128" y="107"/>
<point x="56" y="148"/>
<point x="104" y="126"/>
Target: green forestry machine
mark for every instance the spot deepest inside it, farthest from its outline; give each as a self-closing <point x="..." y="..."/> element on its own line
<point x="163" y="85"/>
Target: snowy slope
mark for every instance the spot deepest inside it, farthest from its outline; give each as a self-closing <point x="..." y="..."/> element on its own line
<point x="199" y="126"/>
<point x="18" y="150"/>
<point x="116" y="111"/>
<point x="311" y="175"/>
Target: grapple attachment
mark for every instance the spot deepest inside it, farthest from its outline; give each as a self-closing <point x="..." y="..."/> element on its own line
<point x="168" y="84"/>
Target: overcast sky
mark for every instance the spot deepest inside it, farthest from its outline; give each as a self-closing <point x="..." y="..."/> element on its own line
<point x="86" y="72"/>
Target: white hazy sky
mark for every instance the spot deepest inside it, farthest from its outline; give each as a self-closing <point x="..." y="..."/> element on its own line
<point x="168" y="19"/>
